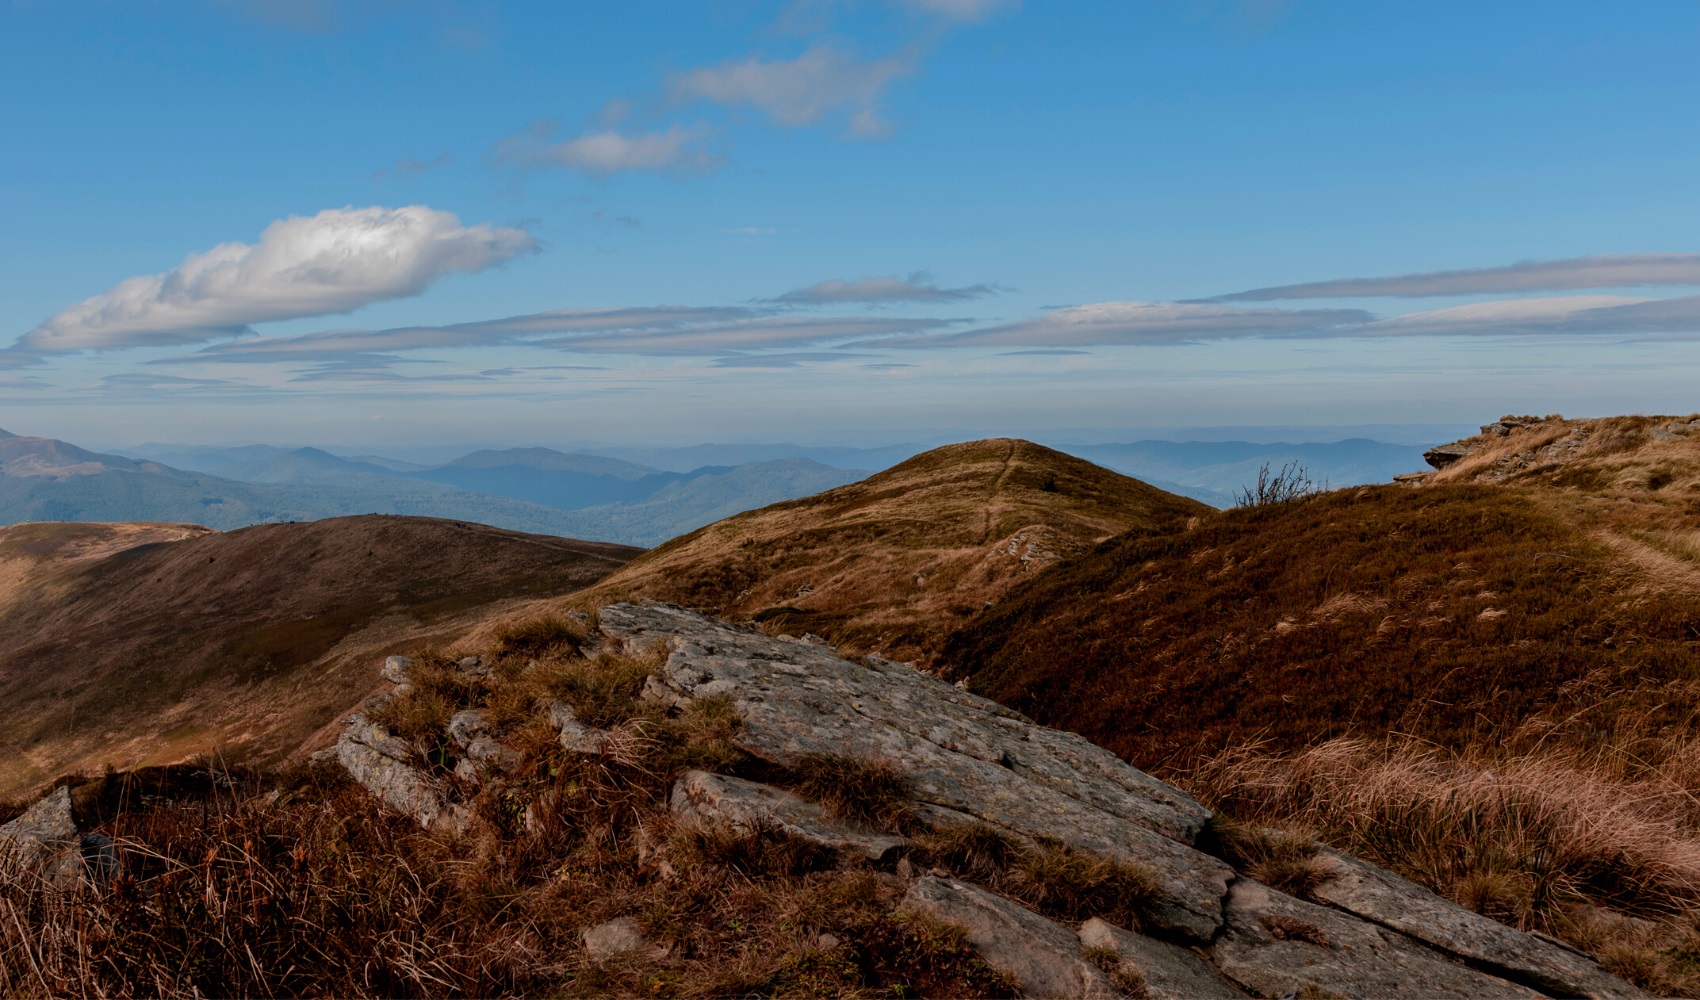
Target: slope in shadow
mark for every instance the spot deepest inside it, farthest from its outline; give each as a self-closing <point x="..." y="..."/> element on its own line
<point x="243" y="642"/>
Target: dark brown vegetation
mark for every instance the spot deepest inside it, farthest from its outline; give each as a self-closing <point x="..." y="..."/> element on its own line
<point x="130" y="645"/>
<point x="891" y="564"/>
<point x="1488" y="683"/>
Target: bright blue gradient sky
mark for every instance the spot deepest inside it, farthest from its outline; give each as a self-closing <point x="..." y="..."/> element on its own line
<point x="866" y="219"/>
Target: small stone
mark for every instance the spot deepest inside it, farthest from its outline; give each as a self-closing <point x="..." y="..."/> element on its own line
<point x="905" y="870"/>
<point x="827" y="942"/>
<point x="465" y="726"/>
<point x="474" y="667"/>
<point x="575" y="735"/>
<point x="617" y="936"/>
<point x="398" y="670"/>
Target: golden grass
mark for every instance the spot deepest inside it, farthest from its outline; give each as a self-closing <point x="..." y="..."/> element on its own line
<point x="1604" y="852"/>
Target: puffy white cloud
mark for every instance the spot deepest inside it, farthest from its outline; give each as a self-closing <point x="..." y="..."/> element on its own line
<point x="332" y="262"/>
<point x="1111" y="323"/>
<point x="799" y="91"/>
<point x="1599" y="271"/>
<point x="882" y="288"/>
<point x="609" y="151"/>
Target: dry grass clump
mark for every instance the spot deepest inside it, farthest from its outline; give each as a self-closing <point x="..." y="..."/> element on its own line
<point x="544" y="634"/>
<point x="1545" y="841"/>
<point x="871" y="791"/>
<point x="1277" y="856"/>
<point x="1045" y="874"/>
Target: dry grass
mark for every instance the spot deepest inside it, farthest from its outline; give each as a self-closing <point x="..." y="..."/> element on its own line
<point x="1601" y="854"/>
<point x="301" y="884"/>
<point x="871" y="792"/>
<point x="1048" y="876"/>
<point x="891" y="564"/>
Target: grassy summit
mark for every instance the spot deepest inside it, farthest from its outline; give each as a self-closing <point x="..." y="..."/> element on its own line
<point x="892" y="563"/>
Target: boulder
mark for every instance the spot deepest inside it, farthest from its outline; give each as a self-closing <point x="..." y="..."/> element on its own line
<point x="1169" y="972"/>
<point x="960" y="751"/>
<point x="387" y="766"/>
<point x="1043" y="956"/>
<point x="615" y="937"/>
<point x="44" y="839"/>
<point x="1373" y="893"/>
<point x="1275" y="945"/>
<point x="749" y="806"/>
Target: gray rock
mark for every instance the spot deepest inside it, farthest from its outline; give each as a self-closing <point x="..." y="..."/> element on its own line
<point x="465" y="726"/>
<point x="1275" y="945"/>
<point x="615" y="937"/>
<point x="44" y="838"/>
<point x="491" y="754"/>
<point x="1379" y="895"/>
<point x="749" y="806"/>
<point x="960" y="751"/>
<point x="575" y="735"/>
<point x="1042" y="955"/>
<point x="1170" y="972"/>
<point x="385" y="764"/>
<point x="398" y="670"/>
<point x="473" y="666"/>
<point x="1443" y="455"/>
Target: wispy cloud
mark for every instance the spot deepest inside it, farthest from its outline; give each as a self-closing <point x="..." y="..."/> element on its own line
<point x="959" y="10"/>
<point x="409" y="166"/>
<point x="824" y="80"/>
<point x="1600" y="271"/>
<point x="604" y="152"/>
<point x="917" y="287"/>
<point x="1133" y="323"/>
<point x="332" y="262"/>
<point x="764" y="333"/>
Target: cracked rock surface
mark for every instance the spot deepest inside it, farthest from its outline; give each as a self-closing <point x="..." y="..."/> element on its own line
<point x="750" y="806"/>
<point x="1210" y="932"/>
<point x="959" y="750"/>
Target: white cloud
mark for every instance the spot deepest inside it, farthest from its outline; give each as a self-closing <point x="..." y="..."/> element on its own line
<point x="609" y="151"/>
<point x="332" y="262"/>
<point x="799" y="91"/>
<point x="882" y="288"/>
<point x="1599" y="271"/>
<point x="762" y="333"/>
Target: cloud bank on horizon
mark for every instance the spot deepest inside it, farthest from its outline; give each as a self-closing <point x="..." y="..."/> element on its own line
<point x="342" y="259"/>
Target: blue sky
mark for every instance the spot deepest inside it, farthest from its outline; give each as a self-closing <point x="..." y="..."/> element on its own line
<point x="349" y="222"/>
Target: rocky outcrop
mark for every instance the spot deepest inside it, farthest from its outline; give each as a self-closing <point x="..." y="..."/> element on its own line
<point x="1275" y="945"/>
<point x="1379" y="895"/>
<point x="960" y="751"/>
<point x="389" y="768"/>
<point x="1208" y="932"/>
<point x="1442" y="455"/>
<point x="1041" y="955"/>
<point x="748" y="806"/>
<point x="44" y="839"/>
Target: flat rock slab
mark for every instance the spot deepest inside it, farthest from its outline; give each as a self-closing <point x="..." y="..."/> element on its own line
<point x="383" y="763"/>
<point x="1274" y="945"/>
<point x="1043" y="956"/>
<point x="960" y="751"/>
<point x="750" y="806"/>
<point x="1170" y="972"/>
<point x="1377" y="894"/>
<point x="615" y="937"/>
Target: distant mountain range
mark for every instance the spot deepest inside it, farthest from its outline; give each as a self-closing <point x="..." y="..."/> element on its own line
<point x="530" y="489"/>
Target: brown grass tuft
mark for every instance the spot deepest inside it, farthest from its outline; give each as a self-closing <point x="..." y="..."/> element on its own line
<point x="870" y="791"/>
